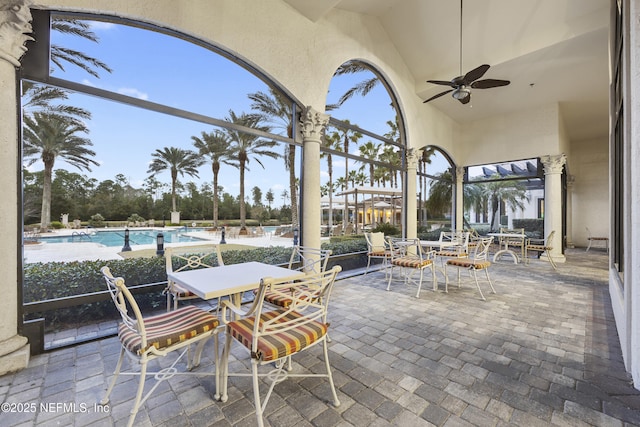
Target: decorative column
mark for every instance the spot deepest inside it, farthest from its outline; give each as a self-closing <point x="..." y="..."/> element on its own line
<point x="553" y="202"/>
<point x="570" y="181"/>
<point x="15" y="21"/>
<point x="312" y="124"/>
<point x="459" y="204"/>
<point x="411" y="205"/>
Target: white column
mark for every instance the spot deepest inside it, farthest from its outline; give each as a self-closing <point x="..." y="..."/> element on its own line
<point x="312" y="124"/>
<point x="553" y="202"/>
<point x="15" y="21"/>
<point x="570" y="181"/>
<point x="411" y="191"/>
<point x="459" y="205"/>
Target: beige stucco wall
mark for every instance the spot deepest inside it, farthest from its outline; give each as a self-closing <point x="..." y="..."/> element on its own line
<point x="590" y="200"/>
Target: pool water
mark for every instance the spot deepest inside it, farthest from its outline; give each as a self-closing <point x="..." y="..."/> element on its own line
<point x="116" y="238"/>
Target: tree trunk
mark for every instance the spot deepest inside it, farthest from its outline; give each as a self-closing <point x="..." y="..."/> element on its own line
<point x="292" y="186"/>
<point x="45" y="213"/>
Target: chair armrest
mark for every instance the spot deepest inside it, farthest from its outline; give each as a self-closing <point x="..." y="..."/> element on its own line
<point x="534" y="241"/>
<point x="235" y="310"/>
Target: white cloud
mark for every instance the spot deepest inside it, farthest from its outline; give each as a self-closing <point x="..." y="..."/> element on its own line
<point x="100" y="25"/>
<point x="133" y="92"/>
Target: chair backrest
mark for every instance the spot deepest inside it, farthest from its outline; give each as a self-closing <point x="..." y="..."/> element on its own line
<point x="375" y="241"/>
<point x="192" y="257"/>
<point x="309" y="301"/>
<point x="126" y="304"/>
<point x="308" y="259"/>
<point x="400" y="247"/>
<point x="549" y="239"/>
<point x="454" y="240"/>
<point x="481" y="250"/>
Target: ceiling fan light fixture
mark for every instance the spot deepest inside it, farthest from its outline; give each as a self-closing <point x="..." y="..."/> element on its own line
<point x="461" y="93"/>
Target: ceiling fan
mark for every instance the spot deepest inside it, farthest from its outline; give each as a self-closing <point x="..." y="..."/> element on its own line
<point x="462" y="85"/>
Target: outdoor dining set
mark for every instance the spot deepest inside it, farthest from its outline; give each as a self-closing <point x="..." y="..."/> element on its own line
<point x="287" y="313"/>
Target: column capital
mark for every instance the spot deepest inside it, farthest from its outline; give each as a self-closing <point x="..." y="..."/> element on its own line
<point x="312" y="123"/>
<point x="413" y="156"/>
<point x="459" y="174"/>
<point x="15" y="24"/>
<point x="553" y="164"/>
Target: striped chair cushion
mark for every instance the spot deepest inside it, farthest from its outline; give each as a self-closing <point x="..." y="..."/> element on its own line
<point x="169" y="328"/>
<point x="467" y="263"/>
<point x="277" y="298"/>
<point x="537" y="248"/>
<point x="181" y="292"/>
<point x="452" y="254"/>
<point x="412" y="262"/>
<point x="597" y="238"/>
<point x="377" y="253"/>
<point x="281" y="344"/>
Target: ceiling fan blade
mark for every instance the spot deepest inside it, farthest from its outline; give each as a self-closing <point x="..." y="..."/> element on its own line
<point x="465" y="100"/>
<point x="475" y="74"/>
<point x="440" y="82"/>
<point x="438" y="95"/>
<point x="489" y="83"/>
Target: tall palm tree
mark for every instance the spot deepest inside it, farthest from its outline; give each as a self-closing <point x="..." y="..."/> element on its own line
<point x="390" y="155"/>
<point x="176" y="161"/>
<point x="245" y="147"/>
<point x="370" y="151"/>
<point x="346" y="136"/>
<point x="277" y="111"/>
<point x="332" y="142"/>
<point x="48" y="137"/>
<point x="216" y="146"/>
<point x="512" y="193"/>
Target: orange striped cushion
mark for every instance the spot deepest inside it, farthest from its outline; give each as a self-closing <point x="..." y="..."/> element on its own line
<point x="169" y="328"/>
<point x="466" y="263"/>
<point x="451" y="253"/>
<point x="181" y="292"/>
<point x="277" y="298"/>
<point x="537" y="248"/>
<point x="412" y="262"/>
<point x="597" y="238"/>
<point x="377" y="253"/>
<point x="281" y="344"/>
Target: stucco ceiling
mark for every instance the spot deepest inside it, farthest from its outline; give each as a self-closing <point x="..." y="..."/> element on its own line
<point x="552" y="51"/>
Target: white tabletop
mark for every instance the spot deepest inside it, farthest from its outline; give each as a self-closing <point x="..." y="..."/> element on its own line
<point x="214" y="282"/>
<point x="510" y="235"/>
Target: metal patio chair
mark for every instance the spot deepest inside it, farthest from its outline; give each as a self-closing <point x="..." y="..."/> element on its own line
<point x="147" y="338"/>
<point x="408" y="256"/>
<point x="541" y="246"/>
<point x="477" y="261"/>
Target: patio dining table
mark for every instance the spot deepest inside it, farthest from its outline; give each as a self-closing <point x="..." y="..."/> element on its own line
<point x="506" y="237"/>
<point x="230" y="280"/>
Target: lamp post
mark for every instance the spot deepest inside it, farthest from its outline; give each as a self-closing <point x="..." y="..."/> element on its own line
<point x="295" y="236"/>
<point x="126" y="247"/>
<point x="160" y="244"/>
<point x="222" y="241"/>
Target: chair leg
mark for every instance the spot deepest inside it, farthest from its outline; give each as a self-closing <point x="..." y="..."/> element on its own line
<point x="434" y="278"/>
<point x="589" y="247"/>
<point x="368" y="263"/>
<point x="420" y="283"/>
<point x="551" y="261"/>
<point x="256" y="392"/>
<point x="390" y="277"/>
<point x="105" y="399"/>
<point x="486" y="272"/>
<point x="138" y="402"/>
<point x="336" y="402"/>
<point x="475" y="276"/>
<point x="224" y="368"/>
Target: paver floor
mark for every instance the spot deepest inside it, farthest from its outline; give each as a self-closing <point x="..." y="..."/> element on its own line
<point x="542" y="351"/>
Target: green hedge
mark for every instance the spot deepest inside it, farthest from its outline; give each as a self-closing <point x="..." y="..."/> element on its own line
<point x="52" y="280"/>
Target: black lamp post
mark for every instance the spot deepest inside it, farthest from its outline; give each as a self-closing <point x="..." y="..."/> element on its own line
<point x="160" y="244"/>
<point x="126" y="247"/>
<point x="222" y="241"/>
<point x="295" y="236"/>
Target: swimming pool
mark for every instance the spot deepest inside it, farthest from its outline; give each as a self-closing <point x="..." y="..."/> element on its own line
<point x="116" y="238"/>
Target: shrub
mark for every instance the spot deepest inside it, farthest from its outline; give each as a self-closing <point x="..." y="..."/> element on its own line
<point x="387" y="229"/>
<point x="96" y="220"/>
<point x="56" y="225"/>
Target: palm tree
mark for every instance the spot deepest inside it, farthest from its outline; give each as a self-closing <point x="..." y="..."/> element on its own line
<point x="277" y="111"/>
<point x="440" y="194"/>
<point x="177" y="161"/>
<point x="346" y="135"/>
<point x="331" y="142"/>
<point x="269" y="197"/>
<point x="215" y="146"/>
<point x="362" y="88"/>
<point x="370" y="151"/>
<point x="246" y="146"/>
<point x="40" y="98"/>
<point x="512" y="193"/>
<point x="48" y="137"/>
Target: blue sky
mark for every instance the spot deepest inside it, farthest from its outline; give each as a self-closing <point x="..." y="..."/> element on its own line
<point x="171" y="71"/>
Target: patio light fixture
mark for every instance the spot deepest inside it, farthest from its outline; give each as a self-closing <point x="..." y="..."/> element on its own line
<point x="160" y="244"/>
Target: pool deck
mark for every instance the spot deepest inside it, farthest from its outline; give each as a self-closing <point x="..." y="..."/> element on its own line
<point x="85" y="251"/>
